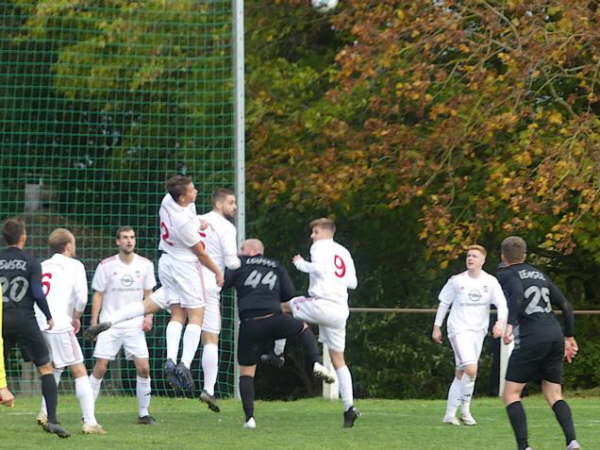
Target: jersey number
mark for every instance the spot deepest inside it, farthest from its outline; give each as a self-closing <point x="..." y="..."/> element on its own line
<point x="340" y="266"/>
<point x="165" y="233"/>
<point x="46" y="283"/>
<point x="256" y="277"/>
<point x="15" y="289"/>
<point x="538" y="300"/>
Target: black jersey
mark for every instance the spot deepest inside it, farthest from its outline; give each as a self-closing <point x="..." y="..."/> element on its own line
<point x="531" y="295"/>
<point x="21" y="280"/>
<point x="261" y="284"/>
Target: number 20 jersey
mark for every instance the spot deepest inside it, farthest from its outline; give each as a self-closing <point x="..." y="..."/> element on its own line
<point x="18" y="270"/>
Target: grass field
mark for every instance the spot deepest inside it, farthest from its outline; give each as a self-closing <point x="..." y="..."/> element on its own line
<point x="304" y="424"/>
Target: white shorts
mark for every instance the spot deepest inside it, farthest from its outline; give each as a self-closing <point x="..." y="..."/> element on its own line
<point x="467" y="347"/>
<point x="212" y="308"/>
<point x="158" y="297"/>
<point x="183" y="282"/>
<point x="330" y="316"/>
<point x="110" y="342"/>
<point x="64" y="349"/>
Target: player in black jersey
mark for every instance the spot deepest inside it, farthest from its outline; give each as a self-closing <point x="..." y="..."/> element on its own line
<point x="262" y="284"/>
<point x="540" y="345"/>
<point x="21" y="280"/>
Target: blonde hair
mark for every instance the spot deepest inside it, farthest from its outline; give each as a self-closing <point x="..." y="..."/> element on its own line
<point x="324" y="223"/>
<point x="58" y="239"/>
<point x="480" y="248"/>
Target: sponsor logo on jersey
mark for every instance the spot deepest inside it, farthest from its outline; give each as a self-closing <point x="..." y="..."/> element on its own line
<point x="474" y="295"/>
<point x="126" y="280"/>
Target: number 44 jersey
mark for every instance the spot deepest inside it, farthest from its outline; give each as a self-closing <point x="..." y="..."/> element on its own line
<point x="530" y="295"/>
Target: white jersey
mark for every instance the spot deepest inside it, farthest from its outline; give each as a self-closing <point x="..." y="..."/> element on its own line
<point x="219" y="239"/>
<point x="179" y="229"/>
<point x="65" y="285"/>
<point x="331" y="271"/>
<point x="470" y="299"/>
<point x="122" y="284"/>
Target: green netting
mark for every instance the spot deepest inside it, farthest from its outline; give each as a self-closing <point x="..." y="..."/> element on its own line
<point x="100" y="102"/>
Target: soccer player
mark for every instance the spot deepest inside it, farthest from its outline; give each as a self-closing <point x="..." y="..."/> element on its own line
<point x="6" y="397"/>
<point x="540" y="345"/>
<point x="262" y="284"/>
<point x="220" y="240"/>
<point x="20" y="277"/>
<point x="180" y="273"/>
<point x="470" y="294"/>
<point x="120" y="280"/>
<point x="331" y="273"/>
<point x="65" y="285"/>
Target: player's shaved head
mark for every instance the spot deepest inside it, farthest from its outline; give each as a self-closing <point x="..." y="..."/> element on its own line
<point x="253" y="246"/>
<point x="514" y="249"/>
<point x="58" y="240"/>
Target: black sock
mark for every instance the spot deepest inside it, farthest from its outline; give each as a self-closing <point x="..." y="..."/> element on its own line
<point x="309" y="342"/>
<point x="518" y="420"/>
<point x="49" y="391"/>
<point x="247" y="394"/>
<point x="565" y="419"/>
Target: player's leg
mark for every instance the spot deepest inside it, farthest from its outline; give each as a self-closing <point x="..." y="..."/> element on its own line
<point x="85" y="395"/>
<point x="143" y="391"/>
<point x="248" y="352"/>
<point x="108" y="344"/>
<point x="97" y="375"/>
<point x="516" y="412"/>
<point x="552" y="368"/>
<point x="247" y="394"/>
<point x="42" y="416"/>
<point x="211" y="327"/>
<point x="474" y="345"/>
<point x="191" y="341"/>
<point x="173" y="338"/>
<point x="345" y="381"/>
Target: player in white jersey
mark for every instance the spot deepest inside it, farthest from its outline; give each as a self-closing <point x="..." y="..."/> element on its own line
<point x="331" y="273"/>
<point x="219" y="235"/>
<point x="65" y="285"/>
<point x="470" y="294"/>
<point x="120" y="280"/>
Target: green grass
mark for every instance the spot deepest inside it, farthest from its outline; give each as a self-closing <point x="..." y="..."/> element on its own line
<point x="304" y="424"/>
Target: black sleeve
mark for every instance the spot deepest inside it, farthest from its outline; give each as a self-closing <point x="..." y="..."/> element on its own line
<point x="229" y="279"/>
<point x="558" y="299"/>
<point x="513" y="291"/>
<point x="287" y="287"/>
<point x="37" y="293"/>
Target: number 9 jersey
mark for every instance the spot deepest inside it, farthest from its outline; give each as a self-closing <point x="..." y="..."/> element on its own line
<point x="331" y="271"/>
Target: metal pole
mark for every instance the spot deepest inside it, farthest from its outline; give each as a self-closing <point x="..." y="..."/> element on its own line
<point x="240" y="154"/>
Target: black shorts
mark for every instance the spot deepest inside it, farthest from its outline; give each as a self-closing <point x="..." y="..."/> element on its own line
<point x="24" y="331"/>
<point x="255" y="334"/>
<point x="540" y="361"/>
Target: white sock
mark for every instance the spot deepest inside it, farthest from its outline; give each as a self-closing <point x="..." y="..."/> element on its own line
<point x="85" y="395"/>
<point x="143" y="392"/>
<point x="127" y="312"/>
<point x="57" y="374"/>
<point x="345" y="382"/>
<point x="279" y="346"/>
<point x="454" y="397"/>
<point x="210" y="366"/>
<point x="191" y="340"/>
<point x="95" y="383"/>
<point x="467" y="388"/>
<point x="174" y="329"/>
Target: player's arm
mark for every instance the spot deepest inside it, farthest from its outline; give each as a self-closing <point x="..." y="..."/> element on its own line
<point x="513" y="292"/>
<point x="96" y="307"/>
<point x="446" y="298"/>
<point x="229" y="280"/>
<point x="207" y="261"/>
<point x="558" y="299"/>
<point x="38" y="293"/>
<point x="317" y="264"/>
<point x="499" y="300"/>
<point x="80" y="298"/>
<point x="229" y="248"/>
<point x="351" y="280"/>
<point x="147" y="325"/>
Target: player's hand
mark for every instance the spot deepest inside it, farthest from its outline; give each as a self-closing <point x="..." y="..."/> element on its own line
<point x="7" y="398"/>
<point x="297" y="258"/>
<point x="50" y="324"/>
<point x="203" y="224"/>
<point x="508" y="335"/>
<point x="220" y="279"/>
<point x="76" y="324"/>
<point x="436" y="335"/>
<point x="571" y="349"/>
<point x="147" y="325"/>
<point x="498" y="329"/>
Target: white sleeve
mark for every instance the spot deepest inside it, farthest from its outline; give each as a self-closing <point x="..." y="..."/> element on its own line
<point x="149" y="279"/>
<point x="352" y="282"/>
<point x="189" y="233"/>
<point x="80" y="293"/>
<point x="99" y="280"/>
<point x="446" y="298"/>
<point x="499" y="300"/>
<point x="229" y="247"/>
